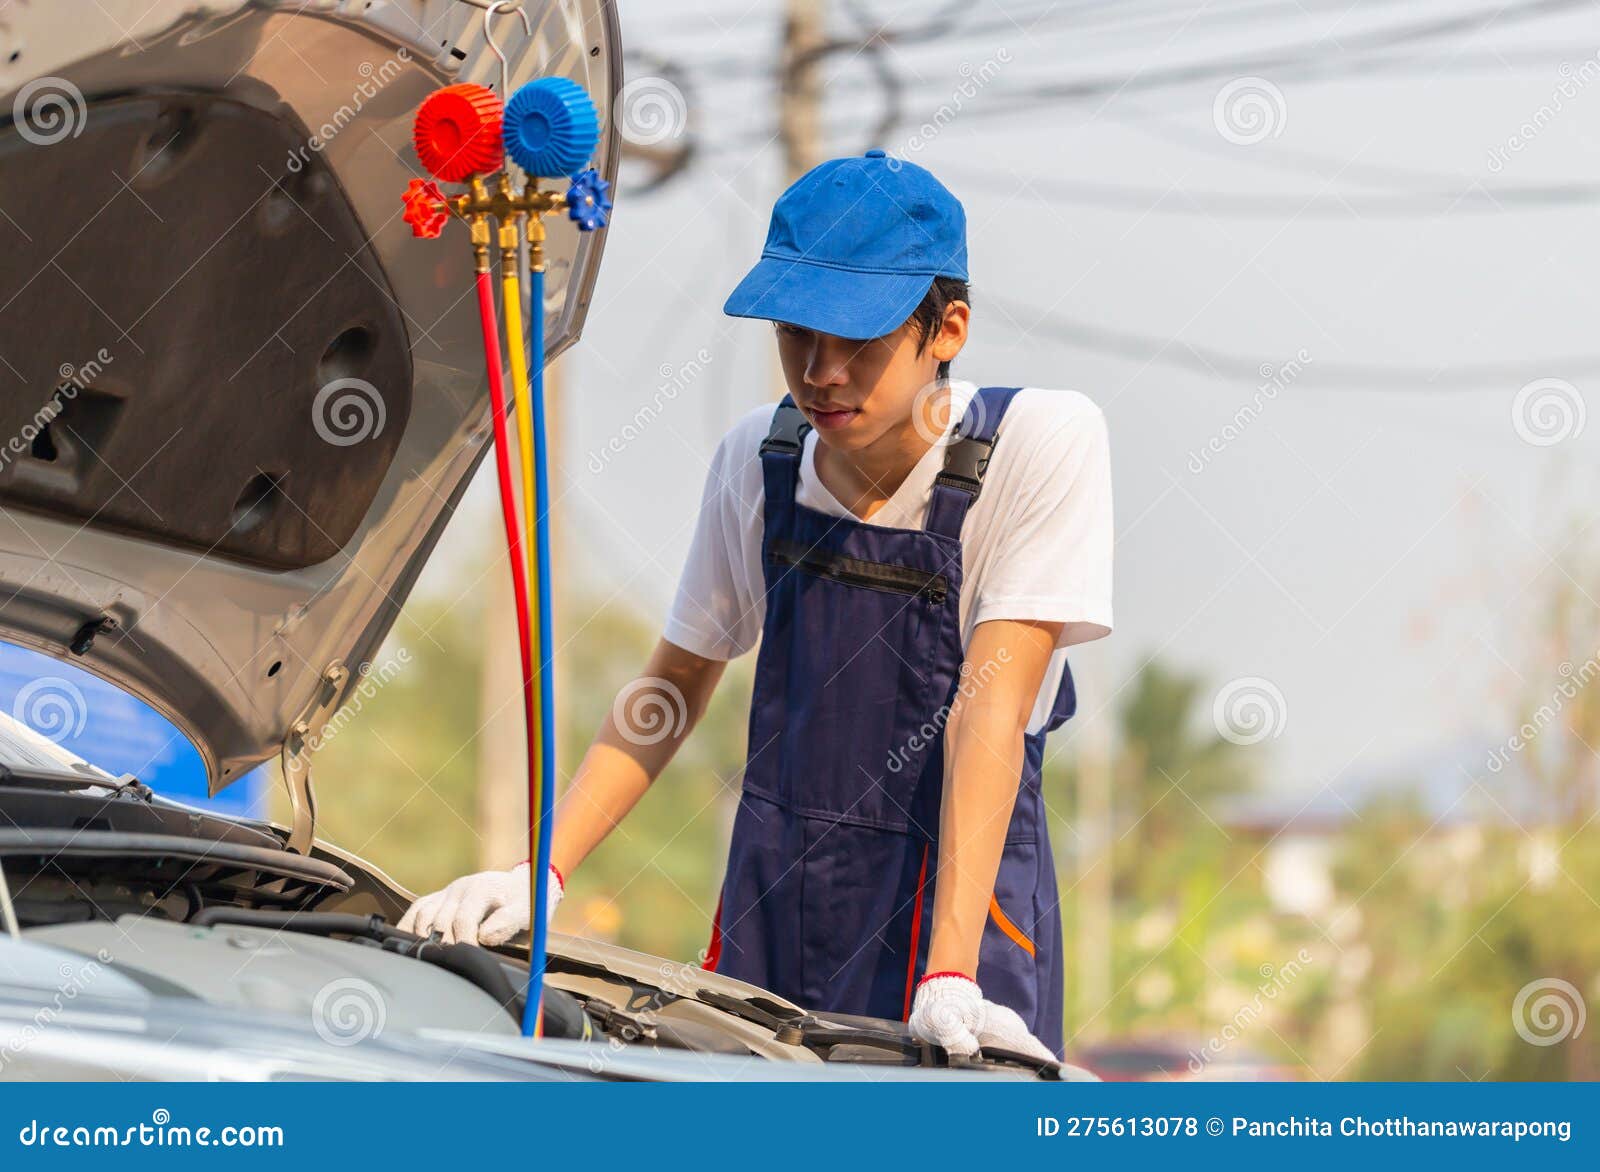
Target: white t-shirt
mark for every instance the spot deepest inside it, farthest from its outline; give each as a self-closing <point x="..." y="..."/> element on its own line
<point x="1035" y="545"/>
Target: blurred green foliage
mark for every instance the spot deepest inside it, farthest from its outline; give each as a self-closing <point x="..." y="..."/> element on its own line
<point x="652" y="885"/>
<point x="397" y="783"/>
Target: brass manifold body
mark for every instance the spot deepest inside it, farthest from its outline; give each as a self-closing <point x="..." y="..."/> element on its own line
<point x="513" y="210"/>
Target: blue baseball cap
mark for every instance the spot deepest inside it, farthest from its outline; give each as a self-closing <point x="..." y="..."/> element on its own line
<point x="853" y="248"/>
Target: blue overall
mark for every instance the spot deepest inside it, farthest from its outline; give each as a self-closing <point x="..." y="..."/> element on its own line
<point x="828" y="896"/>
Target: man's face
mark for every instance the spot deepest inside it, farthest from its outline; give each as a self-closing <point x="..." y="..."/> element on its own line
<point x="854" y="393"/>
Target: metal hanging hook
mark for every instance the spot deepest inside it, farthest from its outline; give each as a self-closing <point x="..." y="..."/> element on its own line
<point x="489" y="14"/>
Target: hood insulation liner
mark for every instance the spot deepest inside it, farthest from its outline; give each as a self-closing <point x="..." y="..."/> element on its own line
<point x="252" y="380"/>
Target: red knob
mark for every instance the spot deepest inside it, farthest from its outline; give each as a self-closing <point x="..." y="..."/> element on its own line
<point x="457" y="132"/>
<point x="426" y="210"/>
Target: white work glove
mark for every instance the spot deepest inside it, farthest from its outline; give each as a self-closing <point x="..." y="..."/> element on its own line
<point x="949" y="1011"/>
<point x="488" y="908"/>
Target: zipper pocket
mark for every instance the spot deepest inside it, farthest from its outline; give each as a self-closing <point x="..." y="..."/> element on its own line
<point x="836" y="567"/>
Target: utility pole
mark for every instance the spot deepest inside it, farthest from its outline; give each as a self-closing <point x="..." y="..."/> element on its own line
<point x="800" y="100"/>
<point x="800" y="93"/>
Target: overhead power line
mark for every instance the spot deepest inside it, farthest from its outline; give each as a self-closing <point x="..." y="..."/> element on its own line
<point x="1321" y="374"/>
<point x="1136" y="200"/>
<point x="1304" y="61"/>
<point x="1309" y="55"/>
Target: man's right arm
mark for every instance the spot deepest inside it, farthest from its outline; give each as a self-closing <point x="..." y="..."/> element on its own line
<point x="652" y="716"/>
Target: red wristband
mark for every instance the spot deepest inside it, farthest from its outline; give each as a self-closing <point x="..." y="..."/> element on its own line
<point x="554" y="870"/>
<point x="947" y="973"/>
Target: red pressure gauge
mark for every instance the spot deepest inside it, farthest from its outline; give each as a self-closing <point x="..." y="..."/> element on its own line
<point x="457" y="132"/>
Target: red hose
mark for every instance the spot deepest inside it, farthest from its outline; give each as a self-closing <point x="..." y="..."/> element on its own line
<point x="508" y="512"/>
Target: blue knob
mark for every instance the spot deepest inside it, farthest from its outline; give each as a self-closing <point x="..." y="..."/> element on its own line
<point x="551" y="127"/>
<point x="588" y="201"/>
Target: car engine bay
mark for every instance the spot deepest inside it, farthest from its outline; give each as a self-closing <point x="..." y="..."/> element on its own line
<point x="197" y="907"/>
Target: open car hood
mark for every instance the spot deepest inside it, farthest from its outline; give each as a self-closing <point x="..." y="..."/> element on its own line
<point x="238" y="401"/>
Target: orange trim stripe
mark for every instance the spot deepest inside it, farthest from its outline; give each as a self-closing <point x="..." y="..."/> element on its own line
<point x="1003" y="922"/>
<point x="916" y="935"/>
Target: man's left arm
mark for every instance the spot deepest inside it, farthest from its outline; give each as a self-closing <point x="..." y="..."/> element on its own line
<point x="983" y="767"/>
<point x="1047" y="584"/>
<point x="984" y="747"/>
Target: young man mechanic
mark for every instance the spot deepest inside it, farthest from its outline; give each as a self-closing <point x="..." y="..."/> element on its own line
<point x="915" y="557"/>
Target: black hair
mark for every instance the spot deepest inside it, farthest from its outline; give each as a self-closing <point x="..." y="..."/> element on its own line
<point x="929" y="316"/>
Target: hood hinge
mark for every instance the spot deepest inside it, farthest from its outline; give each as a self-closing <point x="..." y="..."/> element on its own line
<point x="296" y="757"/>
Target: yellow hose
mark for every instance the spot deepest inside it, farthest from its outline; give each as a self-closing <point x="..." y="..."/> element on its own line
<point x="523" y="396"/>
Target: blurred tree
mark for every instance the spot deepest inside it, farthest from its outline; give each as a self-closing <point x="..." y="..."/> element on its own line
<point x="1484" y="956"/>
<point x="653" y="884"/>
<point x="1459" y="921"/>
<point x="1174" y="775"/>
<point x="395" y="774"/>
<point x="1181" y="882"/>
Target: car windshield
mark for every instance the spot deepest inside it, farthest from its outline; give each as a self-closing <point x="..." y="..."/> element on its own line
<point x="61" y="715"/>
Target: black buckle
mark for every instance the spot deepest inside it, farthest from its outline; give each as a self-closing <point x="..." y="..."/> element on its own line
<point x="788" y="432"/>
<point x="965" y="462"/>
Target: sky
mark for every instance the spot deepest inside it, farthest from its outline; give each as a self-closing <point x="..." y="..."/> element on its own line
<point x="1328" y="268"/>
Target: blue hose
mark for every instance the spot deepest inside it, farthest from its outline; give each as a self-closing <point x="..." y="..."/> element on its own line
<point x="547" y="731"/>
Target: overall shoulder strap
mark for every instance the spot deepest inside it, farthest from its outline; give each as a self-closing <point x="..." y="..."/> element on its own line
<point x="1066" y="702"/>
<point x="966" y="459"/>
<point x="780" y="454"/>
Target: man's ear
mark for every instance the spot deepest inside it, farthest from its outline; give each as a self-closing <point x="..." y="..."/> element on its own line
<point x="952" y="332"/>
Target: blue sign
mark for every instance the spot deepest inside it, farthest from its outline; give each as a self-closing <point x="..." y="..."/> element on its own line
<point x="120" y="733"/>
